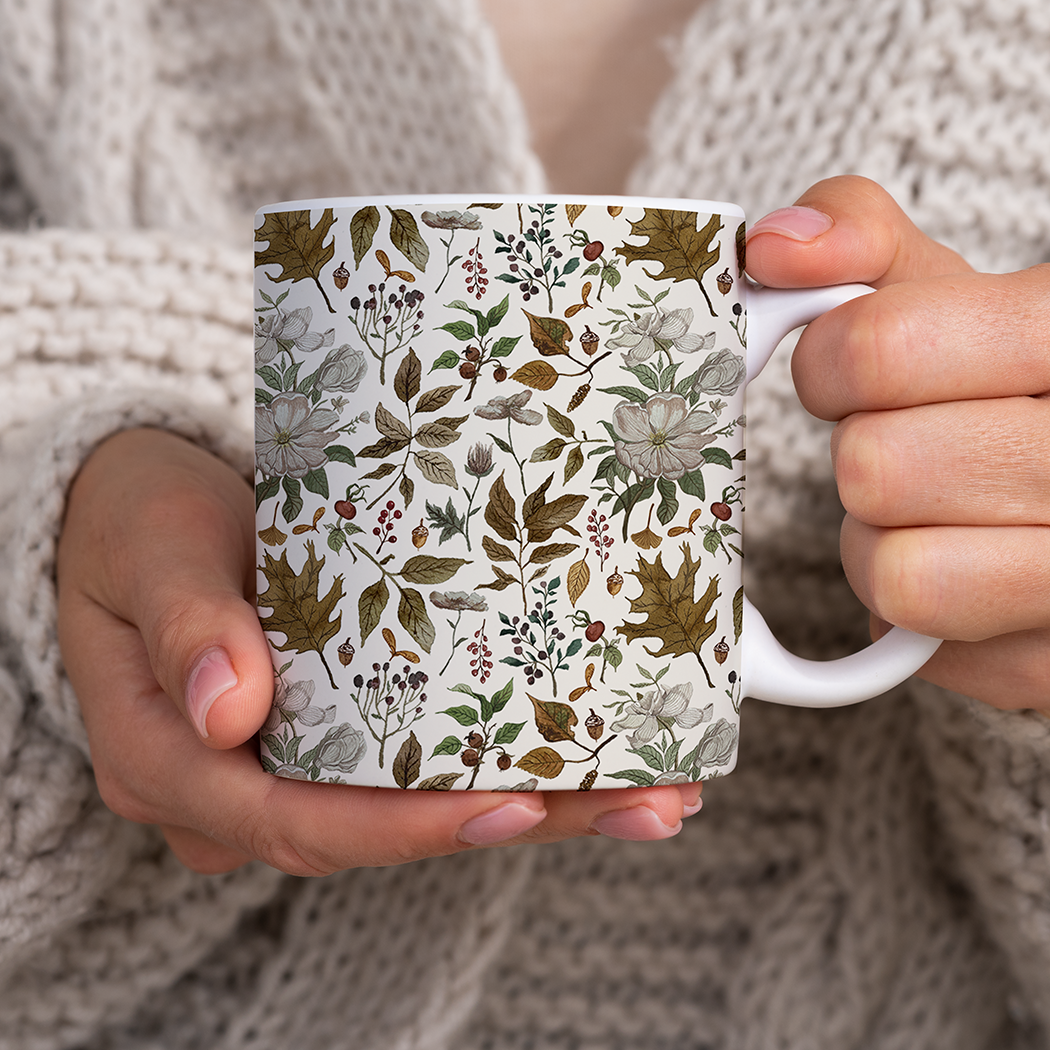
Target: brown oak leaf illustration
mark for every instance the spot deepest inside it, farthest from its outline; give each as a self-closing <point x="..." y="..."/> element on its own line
<point x="673" y="240"/>
<point x="299" y="613"/>
<point x="672" y="613"/>
<point x="296" y="246"/>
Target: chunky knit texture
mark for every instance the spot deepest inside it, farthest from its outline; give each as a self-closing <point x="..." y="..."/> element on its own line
<point x="867" y="879"/>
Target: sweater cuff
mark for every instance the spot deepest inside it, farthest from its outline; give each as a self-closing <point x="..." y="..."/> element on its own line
<point x="41" y="462"/>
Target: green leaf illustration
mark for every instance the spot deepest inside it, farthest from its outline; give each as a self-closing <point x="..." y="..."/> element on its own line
<point x="427" y="570"/>
<point x="406" y="381"/>
<point x="370" y="607"/>
<point x="406" y="238"/>
<point x="363" y="228"/>
<point x="412" y="615"/>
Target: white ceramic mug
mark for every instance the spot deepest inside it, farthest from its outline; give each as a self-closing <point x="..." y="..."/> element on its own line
<point x="500" y="487"/>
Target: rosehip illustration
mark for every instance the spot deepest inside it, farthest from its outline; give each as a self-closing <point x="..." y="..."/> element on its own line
<point x="593" y="250"/>
<point x="475" y="740"/>
<point x="503" y="761"/>
<point x="341" y="276"/>
<point x="499" y="373"/>
<point x="722" y="650"/>
<point x="468" y="370"/>
<point x="614" y="582"/>
<point x="722" y="511"/>
<point x="595" y="725"/>
<point x="469" y="757"/>
<point x="420" y="534"/>
<point x="345" y="509"/>
<point x="595" y="629"/>
<point x="589" y="340"/>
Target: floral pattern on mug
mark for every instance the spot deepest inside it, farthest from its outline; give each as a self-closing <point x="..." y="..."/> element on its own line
<point x="473" y="425"/>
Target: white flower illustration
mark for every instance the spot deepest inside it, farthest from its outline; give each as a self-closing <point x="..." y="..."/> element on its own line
<point x="658" y="328"/>
<point x="662" y="438"/>
<point x="291" y="327"/>
<point x="657" y="709"/>
<point x="290" y="436"/>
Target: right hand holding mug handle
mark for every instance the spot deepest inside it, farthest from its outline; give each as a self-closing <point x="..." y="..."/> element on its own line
<point x="768" y="670"/>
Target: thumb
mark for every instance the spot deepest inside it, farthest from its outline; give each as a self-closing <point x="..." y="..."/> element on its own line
<point x="161" y="535"/>
<point x="843" y="230"/>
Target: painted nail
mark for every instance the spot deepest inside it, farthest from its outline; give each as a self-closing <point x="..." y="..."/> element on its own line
<point x="212" y="675"/>
<point x="639" y="824"/>
<point x="500" y="824"/>
<point x="799" y="224"/>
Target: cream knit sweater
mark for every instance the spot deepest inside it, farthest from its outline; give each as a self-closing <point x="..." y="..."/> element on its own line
<point x="874" y="877"/>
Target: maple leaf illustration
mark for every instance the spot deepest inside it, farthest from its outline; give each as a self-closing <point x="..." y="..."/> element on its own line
<point x="296" y="246"/>
<point x="673" y="239"/>
<point x="672" y="613"/>
<point x="298" y="611"/>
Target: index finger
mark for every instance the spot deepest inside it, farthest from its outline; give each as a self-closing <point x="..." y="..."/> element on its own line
<point x="956" y="337"/>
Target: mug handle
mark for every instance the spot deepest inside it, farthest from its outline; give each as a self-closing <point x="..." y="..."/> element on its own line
<point x="768" y="671"/>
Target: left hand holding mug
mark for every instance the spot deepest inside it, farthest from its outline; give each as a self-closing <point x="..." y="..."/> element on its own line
<point x="938" y="383"/>
<point x="162" y="643"/>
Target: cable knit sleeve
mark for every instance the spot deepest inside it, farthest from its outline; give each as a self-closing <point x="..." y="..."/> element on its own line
<point x="98" y="334"/>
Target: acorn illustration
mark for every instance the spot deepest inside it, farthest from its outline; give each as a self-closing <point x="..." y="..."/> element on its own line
<point x="589" y="340"/>
<point x="722" y="650"/>
<point x="724" y="281"/>
<point x="341" y="276"/>
<point x="595" y="725"/>
<point x="614" y="582"/>
<point x="346" y="652"/>
<point x="420" y="534"/>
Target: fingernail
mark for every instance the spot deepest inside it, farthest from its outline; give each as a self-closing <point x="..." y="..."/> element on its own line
<point x="211" y="676"/>
<point x="639" y="824"/>
<point x="692" y="803"/>
<point x="800" y="224"/>
<point x="500" y="824"/>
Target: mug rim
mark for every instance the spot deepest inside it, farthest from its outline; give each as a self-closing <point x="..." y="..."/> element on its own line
<point x="465" y="199"/>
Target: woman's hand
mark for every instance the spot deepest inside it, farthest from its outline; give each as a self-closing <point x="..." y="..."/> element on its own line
<point x="938" y="384"/>
<point x="163" y="646"/>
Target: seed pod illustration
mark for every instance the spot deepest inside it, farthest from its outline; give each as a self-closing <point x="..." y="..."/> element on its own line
<point x="577" y="398"/>
<point x="588" y="781"/>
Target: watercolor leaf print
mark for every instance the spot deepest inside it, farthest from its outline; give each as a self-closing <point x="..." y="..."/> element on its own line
<point x="681" y="622"/>
<point x="673" y="240"/>
<point x="299" y="612"/>
<point x="363" y="228"/>
<point x="406" y="238"/>
<point x="296" y="246"/>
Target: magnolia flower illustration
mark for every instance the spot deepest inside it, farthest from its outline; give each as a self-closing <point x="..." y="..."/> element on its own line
<point x="451" y="220"/>
<point x="459" y="601"/>
<point x="512" y="407"/>
<point x="721" y="373"/>
<point x="656" y="710"/>
<point x="290" y="436"/>
<point x="295" y="699"/>
<point x="292" y="328"/>
<point x="342" y="369"/>
<point x="658" y="329"/>
<point x="342" y="748"/>
<point x="662" y="438"/>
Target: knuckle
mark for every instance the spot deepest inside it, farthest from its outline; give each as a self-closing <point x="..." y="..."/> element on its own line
<point x="904" y="581"/>
<point x="874" y="356"/>
<point x="865" y="468"/>
<point x="121" y="800"/>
